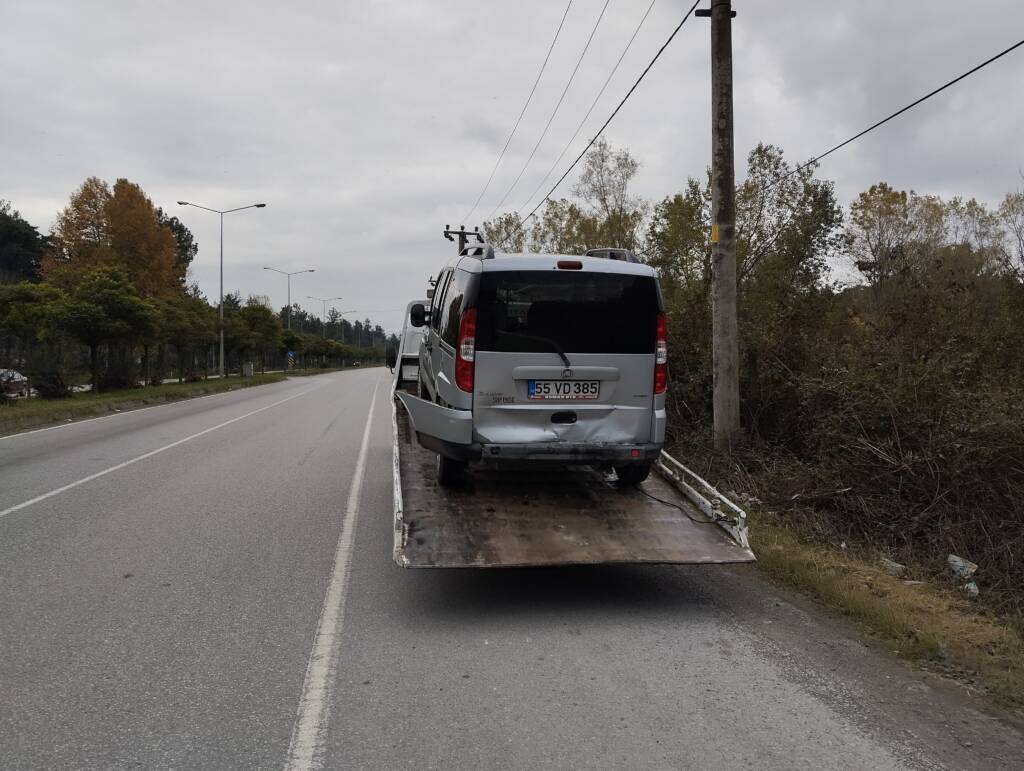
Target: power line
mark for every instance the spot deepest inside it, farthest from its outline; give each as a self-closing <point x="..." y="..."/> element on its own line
<point x="521" y="114"/>
<point x="592" y="105"/>
<point x="913" y="104"/>
<point x="614" y="113"/>
<point x="814" y="161"/>
<point x="553" y="112"/>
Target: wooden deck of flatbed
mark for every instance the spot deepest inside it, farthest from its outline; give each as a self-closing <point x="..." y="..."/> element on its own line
<point x="542" y="516"/>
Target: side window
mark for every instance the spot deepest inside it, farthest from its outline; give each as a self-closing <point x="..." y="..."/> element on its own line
<point x="453" y="303"/>
<point x="436" y="305"/>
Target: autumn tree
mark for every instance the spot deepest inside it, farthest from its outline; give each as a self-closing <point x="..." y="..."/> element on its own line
<point x="116" y="227"/>
<point x="186" y="247"/>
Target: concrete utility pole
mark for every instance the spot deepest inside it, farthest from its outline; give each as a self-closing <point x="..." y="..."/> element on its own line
<point x="725" y="346"/>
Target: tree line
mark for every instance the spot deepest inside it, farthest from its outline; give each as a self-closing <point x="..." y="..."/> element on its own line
<point x="105" y="297"/>
<point x="884" y="407"/>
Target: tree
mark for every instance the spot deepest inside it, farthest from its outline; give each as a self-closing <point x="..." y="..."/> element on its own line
<point x="880" y="219"/>
<point x="565" y="228"/>
<point x="677" y="237"/>
<point x="21" y="247"/>
<point x="263" y="326"/>
<point x="604" y="185"/>
<point x="103" y="308"/>
<point x="141" y="245"/>
<point x="187" y="322"/>
<point x="186" y="247"/>
<point x="784" y="215"/>
<point x="114" y="227"/>
<point x="505" y="233"/>
<point x="30" y="335"/>
<point x="602" y="214"/>
<point x="81" y="237"/>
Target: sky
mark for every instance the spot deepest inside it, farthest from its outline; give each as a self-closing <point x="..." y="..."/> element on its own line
<point x="367" y="126"/>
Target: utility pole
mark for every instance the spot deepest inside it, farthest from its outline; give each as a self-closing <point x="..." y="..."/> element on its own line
<point x="725" y="346"/>
<point x="463" y="235"/>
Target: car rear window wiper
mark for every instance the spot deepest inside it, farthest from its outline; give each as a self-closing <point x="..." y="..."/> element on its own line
<point x="553" y="343"/>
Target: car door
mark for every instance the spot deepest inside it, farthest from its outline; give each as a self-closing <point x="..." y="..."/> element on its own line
<point x="437" y="376"/>
<point x="429" y="352"/>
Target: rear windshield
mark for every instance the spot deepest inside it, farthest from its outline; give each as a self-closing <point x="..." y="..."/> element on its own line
<point x="532" y="311"/>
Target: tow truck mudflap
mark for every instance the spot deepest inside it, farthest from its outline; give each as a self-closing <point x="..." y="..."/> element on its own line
<point x="544" y="514"/>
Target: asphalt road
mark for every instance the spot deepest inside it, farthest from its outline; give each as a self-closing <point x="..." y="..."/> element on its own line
<point x="209" y="584"/>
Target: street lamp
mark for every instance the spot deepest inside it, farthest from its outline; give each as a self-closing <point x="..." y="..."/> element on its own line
<point x="342" y="317"/>
<point x="222" y="213"/>
<point x="289" y="275"/>
<point x="323" y="318"/>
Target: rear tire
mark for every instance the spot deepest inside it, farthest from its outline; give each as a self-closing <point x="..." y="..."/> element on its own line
<point x="449" y="472"/>
<point x="634" y="473"/>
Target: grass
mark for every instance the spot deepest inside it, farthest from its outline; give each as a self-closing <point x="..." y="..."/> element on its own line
<point x="35" y="412"/>
<point x="926" y="623"/>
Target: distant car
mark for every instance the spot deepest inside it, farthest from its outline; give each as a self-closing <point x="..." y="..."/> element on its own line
<point x="13" y="383"/>
<point x="355" y="364"/>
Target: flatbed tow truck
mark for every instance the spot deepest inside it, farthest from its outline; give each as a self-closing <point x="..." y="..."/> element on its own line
<point x="556" y="516"/>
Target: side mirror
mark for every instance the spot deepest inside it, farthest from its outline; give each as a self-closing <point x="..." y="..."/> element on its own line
<point x="390" y="357"/>
<point x="418" y="315"/>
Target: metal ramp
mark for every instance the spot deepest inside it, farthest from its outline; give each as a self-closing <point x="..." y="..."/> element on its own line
<point x="555" y="516"/>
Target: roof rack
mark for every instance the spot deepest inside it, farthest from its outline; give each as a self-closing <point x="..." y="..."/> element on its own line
<point x="483" y="251"/>
<point x="612" y="253"/>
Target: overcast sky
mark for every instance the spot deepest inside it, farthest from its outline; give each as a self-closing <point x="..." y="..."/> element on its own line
<point x="366" y="126"/>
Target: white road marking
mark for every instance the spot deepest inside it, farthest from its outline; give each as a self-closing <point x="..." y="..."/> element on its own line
<point x="305" y="751"/>
<point x="149" y="454"/>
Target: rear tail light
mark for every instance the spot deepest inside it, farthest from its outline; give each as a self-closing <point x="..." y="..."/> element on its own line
<point x="570" y="265"/>
<point x="465" y="351"/>
<point x="660" y="355"/>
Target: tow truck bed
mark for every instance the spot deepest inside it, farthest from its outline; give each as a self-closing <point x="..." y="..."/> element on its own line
<point x="543" y="516"/>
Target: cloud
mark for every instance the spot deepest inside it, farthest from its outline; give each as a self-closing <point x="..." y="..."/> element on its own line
<point x="368" y="126"/>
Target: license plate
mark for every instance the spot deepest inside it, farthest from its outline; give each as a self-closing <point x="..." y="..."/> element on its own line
<point x="563" y="389"/>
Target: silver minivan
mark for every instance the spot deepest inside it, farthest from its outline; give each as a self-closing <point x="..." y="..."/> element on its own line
<point x="536" y="357"/>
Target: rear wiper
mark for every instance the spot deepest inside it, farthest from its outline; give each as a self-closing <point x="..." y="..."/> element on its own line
<point x="553" y="343"/>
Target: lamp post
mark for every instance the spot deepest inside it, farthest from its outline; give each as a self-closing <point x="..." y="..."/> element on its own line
<point x="323" y="317"/>
<point x="220" y="366"/>
<point x="289" y="275"/>
<point x="342" y="317"/>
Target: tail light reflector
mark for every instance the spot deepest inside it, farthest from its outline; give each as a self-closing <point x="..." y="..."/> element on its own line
<point x="465" y="351"/>
<point x="660" y="355"/>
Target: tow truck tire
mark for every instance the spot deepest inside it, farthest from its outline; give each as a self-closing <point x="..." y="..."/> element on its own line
<point x="634" y="473"/>
<point x="449" y="472"/>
